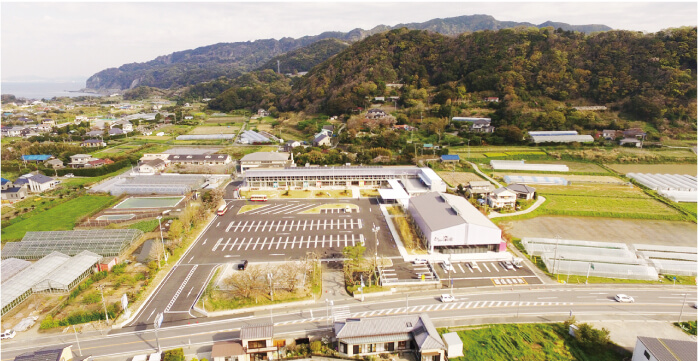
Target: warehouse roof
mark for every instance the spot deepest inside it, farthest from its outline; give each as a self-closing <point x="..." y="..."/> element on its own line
<point x="265" y="156"/>
<point x="669" y="350"/>
<point x="23" y="281"/>
<point x="255" y="332"/>
<point x="470" y="214"/>
<point x="11" y="267"/>
<point x="376" y="328"/>
<point x="68" y="272"/>
<point x="336" y="171"/>
<point x="435" y="211"/>
<point x="450" y="157"/>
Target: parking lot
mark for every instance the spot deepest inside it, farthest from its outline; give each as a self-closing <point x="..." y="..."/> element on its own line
<point x="485" y="273"/>
<point x="279" y="230"/>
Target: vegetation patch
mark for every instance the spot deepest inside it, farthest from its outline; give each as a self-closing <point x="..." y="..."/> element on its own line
<point x="690" y="168"/>
<point x="537" y="342"/>
<point x="688" y="327"/>
<point x="59" y="218"/>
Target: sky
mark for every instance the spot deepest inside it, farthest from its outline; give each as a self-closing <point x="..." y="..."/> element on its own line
<point x="61" y="40"/>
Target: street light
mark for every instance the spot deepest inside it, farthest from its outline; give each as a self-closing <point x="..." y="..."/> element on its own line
<point x="162" y="240"/>
<point x="76" y="340"/>
<point x="682" y="304"/>
<point x="157" y="323"/>
<point x="101" y="287"/>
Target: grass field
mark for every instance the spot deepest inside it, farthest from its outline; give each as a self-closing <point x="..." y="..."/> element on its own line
<point x="692" y="208"/>
<point x="603" y="200"/>
<point x="214" y="130"/>
<point x="61" y="217"/>
<point x="655" y="168"/>
<point x="224" y="120"/>
<point x="530" y="342"/>
<point x="240" y="151"/>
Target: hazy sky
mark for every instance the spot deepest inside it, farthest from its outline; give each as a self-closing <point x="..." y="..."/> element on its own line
<point x="61" y="40"/>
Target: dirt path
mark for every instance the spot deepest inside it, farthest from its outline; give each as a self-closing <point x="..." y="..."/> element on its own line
<point x="477" y="170"/>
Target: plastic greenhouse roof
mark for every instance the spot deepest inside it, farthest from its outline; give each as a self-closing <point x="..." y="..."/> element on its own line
<point x="105" y="242"/>
<point x="11" y="267"/>
<point x="68" y="272"/>
<point x="27" y="278"/>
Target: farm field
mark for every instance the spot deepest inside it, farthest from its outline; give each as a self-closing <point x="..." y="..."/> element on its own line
<point x="240" y="151"/>
<point x="481" y="153"/>
<point x="529" y="342"/>
<point x="692" y="208"/>
<point x="60" y="217"/>
<point x="204" y="130"/>
<point x="455" y="178"/>
<point x="670" y="233"/>
<point x="604" y="179"/>
<point x="691" y="168"/>
<point x="224" y="120"/>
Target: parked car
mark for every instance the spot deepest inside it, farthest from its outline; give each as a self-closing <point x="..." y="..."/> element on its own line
<point x="69" y="175"/>
<point x="624" y="298"/>
<point x="474" y="265"/>
<point x="447" y="298"/>
<point x="448" y="267"/>
<point x="420" y="261"/>
<point x="242" y="265"/>
<point x="506" y="265"/>
<point x="8" y="334"/>
<point x="518" y="262"/>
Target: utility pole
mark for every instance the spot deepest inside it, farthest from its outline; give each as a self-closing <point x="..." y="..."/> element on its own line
<point x="106" y="314"/>
<point x="162" y="240"/>
<point x="157" y="323"/>
<point x="557" y="237"/>
<point x="682" y="304"/>
<point x="76" y="340"/>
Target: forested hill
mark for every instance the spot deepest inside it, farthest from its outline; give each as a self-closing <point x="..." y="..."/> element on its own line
<point x="648" y="75"/>
<point x="232" y="59"/>
<point x="306" y="58"/>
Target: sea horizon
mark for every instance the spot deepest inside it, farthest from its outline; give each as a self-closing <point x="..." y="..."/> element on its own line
<point x="43" y="89"/>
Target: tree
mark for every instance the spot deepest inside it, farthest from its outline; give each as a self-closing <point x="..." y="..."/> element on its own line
<point x="355" y="254"/>
<point x="175" y="230"/>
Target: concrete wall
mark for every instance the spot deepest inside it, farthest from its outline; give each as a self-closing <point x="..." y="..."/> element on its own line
<point x="476" y="234"/>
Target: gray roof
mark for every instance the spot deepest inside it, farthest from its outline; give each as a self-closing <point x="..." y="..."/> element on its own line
<point x="388" y="172"/>
<point x="391" y="327"/>
<point x="320" y="137"/>
<point x="252" y="136"/>
<point x="40" y="178"/>
<point x="93" y="133"/>
<point x="521" y="188"/>
<point x="256" y="332"/>
<point x="265" y="156"/>
<point x="480" y="184"/>
<point x="435" y="211"/>
<point x="670" y="350"/>
<point x="154" y="162"/>
<point x="470" y="214"/>
<point x="197" y="157"/>
<point x="93" y="141"/>
<point x="47" y="354"/>
<point x="11" y="266"/>
<point x="54" y="161"/>
<point x="501" y="190"/>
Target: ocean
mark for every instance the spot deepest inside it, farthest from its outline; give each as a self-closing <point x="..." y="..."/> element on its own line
<point x="43" y="90"/>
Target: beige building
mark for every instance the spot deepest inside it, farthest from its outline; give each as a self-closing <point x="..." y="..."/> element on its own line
<point x="265" y="160"/>
<point x="501" y="198"/>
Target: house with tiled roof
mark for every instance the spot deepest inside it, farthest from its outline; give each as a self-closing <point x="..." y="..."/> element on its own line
<point x="377" y="335"/>
<point x="59" y="353"/>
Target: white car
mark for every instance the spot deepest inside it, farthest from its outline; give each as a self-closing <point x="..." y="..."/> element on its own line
<point x="420" y="261"/>
<point x="624" y="298"/>
<point x="8" y="334"/>
<point x="447" y="298"/>
<point x="447" y="266"/>
<point x="69" y="175"/>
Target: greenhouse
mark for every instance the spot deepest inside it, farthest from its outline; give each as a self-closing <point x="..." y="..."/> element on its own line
<point x="521" y="179"/>
<point x="11" y="267"/>
<point x="69" y="274"/>
<point x="666" y="182"/>
<point x="20" y="286"/>
<point x="158" y="184"/>
<point x="206" y="136"/>
<point x="104" y="242"/>
<point x="521" y="165"/>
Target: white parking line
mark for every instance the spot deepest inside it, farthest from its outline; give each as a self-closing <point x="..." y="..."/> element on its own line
<point x="278" y="243"/>
<point x="286" y="243"/>
<point x="248" y="244"/>
<point x="241" y="242"/>
<point x="487" y="268"/>
<point x="263" y="242"/>
<point x="217" y="244"/>
<point x="461" y="267"/>
<point x="323" y="241"/>
<point x="346" y="241"/>
<point x="308" y="245"/>
<point x="315" y="241"/>
<point x="226" y="244"/>
<point x="233" y="245"/>
<point x="284" y="229"/>
<point x="271" y="242"/>
<point x="294" y="241"/>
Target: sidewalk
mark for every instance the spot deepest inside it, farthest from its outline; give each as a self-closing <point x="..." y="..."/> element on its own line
<point x="333" y="282"/>
<point x="530" y="209"/>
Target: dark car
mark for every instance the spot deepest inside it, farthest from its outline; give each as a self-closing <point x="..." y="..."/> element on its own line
<point x="242" y="265"/>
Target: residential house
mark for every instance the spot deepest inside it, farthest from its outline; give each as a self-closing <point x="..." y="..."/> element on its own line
<point x="403" y="127"/>
<point x="126" y="126"/>
<point x="376" y="113"/>
<point x="98" y="163"/>
<point x="152" y="166"/>
<point x="35" y="183"/>
<point x="502" y="198"/>
<point x="95" y="133"/>
<point x="266" y="160"/>
<point x="53" y="353"/>
<point x="609" y="134"/>
<point x="476" y="188"/>
<point x="48" y="121"/>
<point x="44" y="128"/>
<point x="257" y="342"/>
<point x="635" y="133"/>
<point x="36" y="158"/>
<point x="329" y="129"/>
<point x="92" y="143"/>
<point x="11" y="192"/>
<point x="162" y="156"/>
<point x="80" y="118"/>
<point x="80" y="160"/>
<point x="25" y="120"/>
<point x="662" y="349"/>
<point x="322" y="139"/>
<point x="482" y="126"/>
<point x="492" y="99"/>
<point x="289" y="145"/>
<point x="200" y="159"/>
<point x="377" y="335"/>
<point x="116" y="131"/>
<point x="262" y="113"/>
<point x="522" y="191"/>
<point x="54" y="163"/>
<point x="11" y="131"/>
<point x="228" y="351"/>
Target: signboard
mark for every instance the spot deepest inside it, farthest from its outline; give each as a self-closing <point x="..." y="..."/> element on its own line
<point x="124" y="302"/>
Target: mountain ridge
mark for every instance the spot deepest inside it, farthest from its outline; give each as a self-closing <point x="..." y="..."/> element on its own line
<point x="187" y="67"/>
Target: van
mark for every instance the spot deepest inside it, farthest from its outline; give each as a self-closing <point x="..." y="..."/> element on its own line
<point x="242" y="265"/>
<point x="8" y="334"/>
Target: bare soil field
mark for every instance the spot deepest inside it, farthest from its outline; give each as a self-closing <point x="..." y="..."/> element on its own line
<point x="455" y="178"/>
<point x="655" y="168"/>
<point x="570" y="177"/>
<point x="669" y="233"/>
<point x="225" y="120"/>
<point x="214" y="130"/>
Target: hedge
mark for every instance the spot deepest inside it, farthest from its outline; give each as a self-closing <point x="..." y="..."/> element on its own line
<point x="173" y="355"/>
<point x="95" y="172"/>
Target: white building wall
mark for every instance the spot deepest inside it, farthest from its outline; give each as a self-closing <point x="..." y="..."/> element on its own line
<point x="476" y="234"/>
<point x="639" y="353"/>
<point x="455" y="234"/>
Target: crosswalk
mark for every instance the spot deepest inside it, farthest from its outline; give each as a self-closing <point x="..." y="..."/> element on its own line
<point x="482" y="267"/>
<point x="294" y="225"/>
<point x="429" y="308"/>
<point x="282" y="208"/>
<point x="286" y="242"/>
<point x="506" y="281"/>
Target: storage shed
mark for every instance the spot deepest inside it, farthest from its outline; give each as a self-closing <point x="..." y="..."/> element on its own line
<point x="454" y="345"/>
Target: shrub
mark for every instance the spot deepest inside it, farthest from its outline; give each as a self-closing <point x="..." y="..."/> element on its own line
<point x="173" y="355"/>
<point x="92" y="297"/>
<point x="316" y="346"/>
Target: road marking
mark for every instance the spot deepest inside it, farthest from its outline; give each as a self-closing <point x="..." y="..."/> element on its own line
<point x="308" y="245"/>
<point x="277" y="254"/>
<point x="189" y="294"/>
<point x="598" y="293"/>
<point x="218" y="224"/>
<point x="346" y="241"/>
<point x="226" y="244"/>
<point x="258" y="224"/>
<point x="323" y="241"/>
<point x="233" y="245"/>
<point x="255" y="244"/>
<point x="277" y="226"/>
<point x="271" y="243"/>
<point x="248" y="244"/>
<point x="192" y="257"/>
<point x="263" y="242"/>
<point x="241" y="242"/>
<point x="151" y="315"/>
<point x="306" y="224"/>
<point x="278" y="243"/>
<point x="293" y="244"/>
<point x="172" y="301"/>
<point x="204" y="241"/>
<point x="217" y="244"/>
<point x="485" y="265"/>
<point x="285" y="243"/>
<point x="316" y="241"/>
<point x="461" y="267"/>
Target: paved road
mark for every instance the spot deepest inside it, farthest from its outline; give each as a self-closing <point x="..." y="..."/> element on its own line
<point x="530" y="209"/>
<point x="471" y="307"/>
